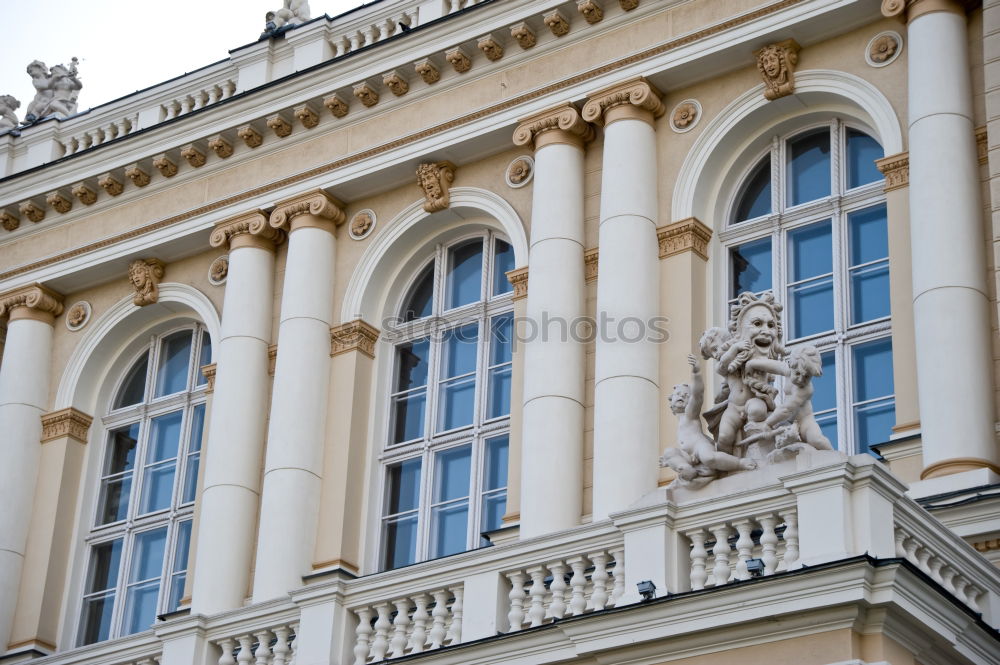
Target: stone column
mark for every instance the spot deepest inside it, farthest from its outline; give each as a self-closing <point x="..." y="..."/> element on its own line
<point x="626" y="392"/>
<point x="294" y="461"/>
<point x="554" y="361"/>
<point x="24" y="396"/>
<point x="950" y="301"/>
<point x="229" y="500"/>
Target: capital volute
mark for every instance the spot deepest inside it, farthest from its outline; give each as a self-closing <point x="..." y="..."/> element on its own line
<point x="31" y="302"/>
<point x="316" y="209"/>
<point x="636" y="99"/>
<point x="250" y="229"/>
<point x="907" y="10"/>
<point x="563" y="124"/>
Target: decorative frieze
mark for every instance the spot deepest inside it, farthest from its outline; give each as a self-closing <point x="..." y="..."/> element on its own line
<point x="137" y="175"/>
<point x="220" y="146"/>
<point x="591" y="10"/>
<point x="253" y="223"/>
<point x="987" y="545"/>
<point x="9" y="221"/>
<point x="366" y="94"/>
<point x="110" y="184"/>
<point x="523" y="35"/>
<point x="165" y="165"/>
<point x="317" y="204"/>
<point x="896" y="169"/>
<point x="687" y="235"/>
<point x="84" y="194"/>
<point x="590" y="264"/>
<point x="277" y="124"/>
<point x="397" y="84"/>
<point x="518" y="278"/>
<point x="460" y="61"/>
<point x="35" y="297"/>
<point x="435" y="181"/>
<point x="565" y="119"/>
<point x="66" y="423"/>
<point x="776" y="63"/>
<point x="337" y="105"/>
<point x="556" y="23"/>
<point x="33" y="212"/>
<point x="208" y="371"/>
<point x="491" y="47"/>
<point x="250" y="136"/>
<point x="145" y="276"/>
<point x="635" y="95"/>
<point x="306" y="116"/>
<point x="353" y="336"/>
<point x="58" y="202"/>
<point x="427" y="70"/>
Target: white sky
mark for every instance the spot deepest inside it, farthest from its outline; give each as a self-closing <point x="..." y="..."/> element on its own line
<point x="127" y="45"/>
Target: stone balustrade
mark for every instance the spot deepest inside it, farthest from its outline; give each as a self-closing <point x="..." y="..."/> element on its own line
<point x="407" y="625"/>
<point x="268" y="646"/>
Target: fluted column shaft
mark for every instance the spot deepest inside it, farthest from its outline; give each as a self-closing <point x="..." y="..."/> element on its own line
<point x="24" y="393"/>
<point x="554" y="360"/>
<point x="950" y="301"/>
<point x="294" y="459"/>
<point x="626" y="392"/>
<point x="229" y="500"/>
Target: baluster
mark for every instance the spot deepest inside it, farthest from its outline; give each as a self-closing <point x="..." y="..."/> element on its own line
<point x="371" y="34"/>
<point x="356" y="40"/>
<point x="910" y="547"/>
<point x="263" y="652"/>
<point x="342" y="46"/>
<point x="557" y="606"/>
<point x="768" y="543"/>
<point x="935" y="565"/>
<point x="294" y="626"/>
<point x="440" y="615"/>
<point x="420" y="618"/>
<point x="699" y="555"/>
<point x="618" y="576"/>
<point x="363" y="633"/>
<point x="972" y="595"/>
<point x="515" y="617"/>
<point x="947" y="578"/>
<point x="455" y="6"/>
<point x="536" y="615"/>
<point x="923" y="555"/>
<point x="900" y="536"/>
<point x="791" y="539"/>
<point x="386" y="28"/>
<point x="960" y="584"/>
<point x="397" y="647"/>
<point x="599" y="579"/>
<point x="227" y="645"/>
<point x="578" y="583"/>
<point x="744" y="548"/>
<point x="720" y="573"/>
<point x="380" y="645"/>
<point x="281" y="649"/>
<point x="246" y="650"/>
<point x="455" y="630"/>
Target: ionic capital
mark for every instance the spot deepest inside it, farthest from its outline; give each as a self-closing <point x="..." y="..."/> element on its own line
<point x="66" y="422"/>
<point x="353" y="336"/>
<point x="315" y="209"/>
<point x="250" y="229"/>
<point x="636" y="99"/>
<point x="907" y="10"/>
<point x="31" y="302"/>
<point x="896" y="169"/>
<point x="563" y="124"/>
<point x="687" y="235"/>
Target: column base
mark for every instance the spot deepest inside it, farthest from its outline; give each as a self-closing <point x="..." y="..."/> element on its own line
<point x="956" y="465"/>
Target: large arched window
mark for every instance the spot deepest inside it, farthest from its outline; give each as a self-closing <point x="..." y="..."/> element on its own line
<point x="140" y="531"/>
<point x="809" y="222"/>
<point x="445" y="457"/>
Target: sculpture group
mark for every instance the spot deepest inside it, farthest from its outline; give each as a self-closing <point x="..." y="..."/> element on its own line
<point x="749" y="424"/>
<point x="292" y="12"/>
<point x="56" y="92"/>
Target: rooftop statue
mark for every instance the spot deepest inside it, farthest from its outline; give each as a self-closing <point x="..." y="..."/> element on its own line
<point x="56" y="90"/>
<point x="291" y="13"/>
<point x="8" y="119"/>
<point x="749" y="424"/>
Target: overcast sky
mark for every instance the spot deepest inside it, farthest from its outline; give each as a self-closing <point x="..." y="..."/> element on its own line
<point x="127" y="45"/>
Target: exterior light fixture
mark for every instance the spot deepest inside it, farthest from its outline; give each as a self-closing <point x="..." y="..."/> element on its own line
<point x="647" y="589"/>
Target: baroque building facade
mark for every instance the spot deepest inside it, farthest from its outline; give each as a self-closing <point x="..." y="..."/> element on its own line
<point x="361" y="344"/>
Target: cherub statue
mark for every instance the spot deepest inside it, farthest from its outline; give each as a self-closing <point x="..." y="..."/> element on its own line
<point x="690" y="473"/>
<point x="56" y="90"/>
<point x="291" y="13"/>
<point x="8" y="119"/>
<point x="686" y="402"/>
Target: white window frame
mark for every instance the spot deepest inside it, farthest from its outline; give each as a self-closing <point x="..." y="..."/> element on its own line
<point x="127" y="529"/>
<point x="434" y="327"/>
<point x="783" y="218"/>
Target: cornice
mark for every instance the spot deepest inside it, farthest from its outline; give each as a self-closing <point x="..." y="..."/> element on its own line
<point x="687" y="235"/>
<point x="317" y="204"/>
<point x="563" y="124"/>
<point x="353" y="336"/>
<point x="253" y="223"/>
<point x="638" y="93"/>
<point x="66" y="422"/>
<point x="896" y="169"/>
<point x="34" y="297"/>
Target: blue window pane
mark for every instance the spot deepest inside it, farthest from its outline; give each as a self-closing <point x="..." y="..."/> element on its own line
<point x="157" y="487"/>
<point x="810" y="306"/>
<point x="114" y="499"/>
<point x="751" y="267"/>
<point x="408" y="416"/>
<point x="140" y="607"/>
<point x="420" y="302"/>
<point x="810" y="251"/>
<point x="95" y="624"/>
<point x="175" y="357"/>
<point x="182" y="547"/>
<point x="809" y="167"/>
<point x="870" y="292"/>
<point x="868" y="235"/>
<point x="121" y="449"/>
<point x="465" y="274"/>
<point x="503" y="262"/>
<point x="133" y="389"/>
<point x="451" y="474"/>
<point x="411" y="364"/>
<point x="400" y="542"/>
<point x="404" y="487"/>
<point x="862" y="151"/>
<point x="457" y="403"/>
<point x="755" y="200"/>
<point x="828" y="425"/>
<point x="164" y="437"/>
<point x="205" y="358"/>
<point x="460" y="351"/>
<point x="495" y="473"/>
<point x="503" y="338"/>
<point x="499" y="392"/>
<point x="494" y="507"/>
<point x="197" y="427"/>
<point x="873" y="370"/>
<point x="147" y="555"/>
<point x="449" y="529"/>
<point x="873" y="423"/>
<point x="176" y="591"/>
<point x="105" y="560"/>
<point x="825" y="385"/>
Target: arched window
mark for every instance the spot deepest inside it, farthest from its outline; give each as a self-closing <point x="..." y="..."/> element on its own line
<point x="141" y="529"/>
<point x="809" y="222"/>
<point x="445" y="457"/>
